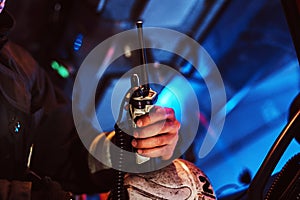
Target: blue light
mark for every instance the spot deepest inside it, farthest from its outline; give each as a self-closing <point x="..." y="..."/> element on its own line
<point x="78" y="42"/>
<point x="186" y="68"/>
<point x="17" y="127"/>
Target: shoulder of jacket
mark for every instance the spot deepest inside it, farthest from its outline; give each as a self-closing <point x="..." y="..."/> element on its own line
<point x="21" y="61"/>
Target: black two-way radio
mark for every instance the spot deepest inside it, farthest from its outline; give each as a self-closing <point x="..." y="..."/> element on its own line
<point x="141" y="100"/>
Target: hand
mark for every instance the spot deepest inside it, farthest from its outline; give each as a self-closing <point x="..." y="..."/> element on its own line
<point x="157" y="133"/>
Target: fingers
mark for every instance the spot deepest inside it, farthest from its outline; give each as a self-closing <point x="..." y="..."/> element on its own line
<point x="157" y="114"/>
<point x="160" y="146"/>
<point x="157" y="128"/>
<point x="157" y="134"/>
<point x="151" y="142"/>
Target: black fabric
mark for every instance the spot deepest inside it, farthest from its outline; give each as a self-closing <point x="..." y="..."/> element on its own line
<point x="30" y="102"/>
<point x="6" y="24"/>
<point x="46" y="189"/>
<point x="13" y="140"/>
<point x="4" y="189"/>
<point x="11" y="190"/>
<point x="50" y="190"/>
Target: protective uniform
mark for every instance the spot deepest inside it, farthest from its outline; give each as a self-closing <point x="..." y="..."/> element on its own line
<point x="33" y="114"/>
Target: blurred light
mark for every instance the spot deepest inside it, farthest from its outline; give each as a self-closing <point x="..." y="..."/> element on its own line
<point x="170" y="13"/>
<point x="57" y="7"/>
<point x="61" y="70"/>
<point x="186" y="68"/>
<point x="78" y="42"/>
<point x="100" y="5"/>
<point x="270" y="111"/>
<point x="54" y="65"/>
<point x="127" y="51"/>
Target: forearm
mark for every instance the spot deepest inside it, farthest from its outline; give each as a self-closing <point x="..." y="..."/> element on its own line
<point x="100" y="157"/>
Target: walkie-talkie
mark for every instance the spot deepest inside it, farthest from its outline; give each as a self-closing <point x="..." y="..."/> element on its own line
<point x="141" y="99"/>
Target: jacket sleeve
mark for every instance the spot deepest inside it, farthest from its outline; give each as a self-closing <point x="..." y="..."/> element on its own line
<point x="58" y="152"/>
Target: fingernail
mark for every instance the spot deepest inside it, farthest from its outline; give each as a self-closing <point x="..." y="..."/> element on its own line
<point x="139" y="151"/>
<point x="133" y="143"/>
<point x="135" y="134"/>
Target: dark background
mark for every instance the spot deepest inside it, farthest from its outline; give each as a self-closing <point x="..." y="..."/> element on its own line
<point x="248" y="40"/>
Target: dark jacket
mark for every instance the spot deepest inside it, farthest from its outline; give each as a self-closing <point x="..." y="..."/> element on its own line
<point x="33" y="112"/>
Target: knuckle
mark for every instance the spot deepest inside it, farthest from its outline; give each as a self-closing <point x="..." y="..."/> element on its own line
<point x="159" y="141"/>
<point x="176" y="125"/>
<point x="142" y="143"/>
<point x="142" y="133"/>
<point x="171" y="111"/>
